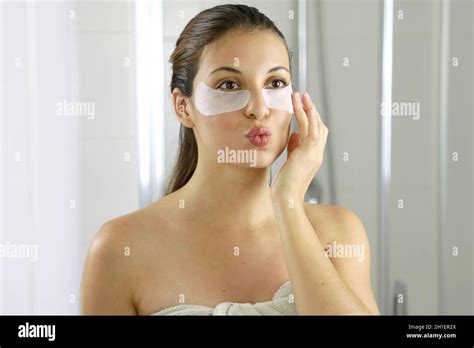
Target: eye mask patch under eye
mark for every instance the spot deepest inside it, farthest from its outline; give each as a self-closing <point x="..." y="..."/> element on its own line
<point x="211" y="102"/>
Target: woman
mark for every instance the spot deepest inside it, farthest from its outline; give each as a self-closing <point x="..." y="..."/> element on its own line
<point x="222" y="241"/>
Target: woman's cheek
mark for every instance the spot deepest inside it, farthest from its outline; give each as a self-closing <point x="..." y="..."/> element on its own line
<point x="221" y="132"/>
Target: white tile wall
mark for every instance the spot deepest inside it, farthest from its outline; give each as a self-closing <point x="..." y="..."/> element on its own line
<point x="109" y="182"/>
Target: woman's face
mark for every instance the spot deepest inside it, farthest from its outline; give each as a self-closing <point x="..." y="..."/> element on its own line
<point x="249" y="56"/>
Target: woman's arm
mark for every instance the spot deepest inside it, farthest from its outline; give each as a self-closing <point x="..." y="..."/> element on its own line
<point x="319" y="286"/>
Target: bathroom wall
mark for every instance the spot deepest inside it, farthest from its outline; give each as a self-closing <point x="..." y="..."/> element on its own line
<point x="344" y="72"/>
<point x="109" y="155"/>
<point x="430" y="213"/>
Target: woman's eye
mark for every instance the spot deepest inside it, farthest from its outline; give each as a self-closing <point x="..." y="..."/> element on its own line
<point x="278" y="84"/>
<point x="232" y="85"/>
<point x="228" y="85"/>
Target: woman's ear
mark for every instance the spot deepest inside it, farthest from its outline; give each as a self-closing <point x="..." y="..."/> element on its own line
<point x="181" y="108"/>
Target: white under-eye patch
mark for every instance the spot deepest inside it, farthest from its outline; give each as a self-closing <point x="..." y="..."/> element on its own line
<point x="211" y="102"/>
<point x="279" y="98"/>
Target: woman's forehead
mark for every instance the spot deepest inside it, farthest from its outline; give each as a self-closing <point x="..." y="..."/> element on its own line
<point x="245" y="51"/>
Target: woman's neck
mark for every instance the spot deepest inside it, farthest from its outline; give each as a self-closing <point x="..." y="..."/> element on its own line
<point x="229" y="197"/>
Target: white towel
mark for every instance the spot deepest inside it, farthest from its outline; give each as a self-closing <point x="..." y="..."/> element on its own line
<point x="282" y="303"/>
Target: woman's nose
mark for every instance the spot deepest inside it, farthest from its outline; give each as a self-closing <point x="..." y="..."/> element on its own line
<point x="257" y="107"/>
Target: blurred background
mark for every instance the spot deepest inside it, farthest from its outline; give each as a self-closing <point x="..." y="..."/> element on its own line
<point x="88" y="133"/>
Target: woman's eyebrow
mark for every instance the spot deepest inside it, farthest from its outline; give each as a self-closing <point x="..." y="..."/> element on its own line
<point x="278" y="68"/>
<point x="226" y="68"/>
<point x="237" y="71"/>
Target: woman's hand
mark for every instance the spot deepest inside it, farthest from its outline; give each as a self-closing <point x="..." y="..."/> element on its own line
<point x="305" y="152"/>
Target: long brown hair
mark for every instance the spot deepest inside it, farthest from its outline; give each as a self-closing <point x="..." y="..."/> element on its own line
<point x="206" y="27"/>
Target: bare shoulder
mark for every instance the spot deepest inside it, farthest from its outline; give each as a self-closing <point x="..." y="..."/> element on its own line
<point x="344" y="227"/>
<point x="335" y="222"/>
<point x="114" y="259"/>
<point x="105" y="286"/>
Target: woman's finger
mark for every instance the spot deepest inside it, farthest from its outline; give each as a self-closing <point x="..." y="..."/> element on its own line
<point x="322" y="137"/>
<point x="322" y="126"/>
<point x="300" y="114"/>
<point x="316" y="128"/>
<point x="310" y="109"/>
